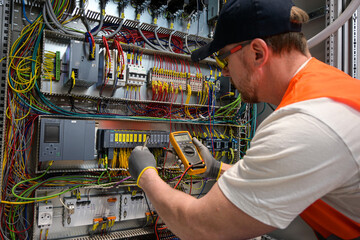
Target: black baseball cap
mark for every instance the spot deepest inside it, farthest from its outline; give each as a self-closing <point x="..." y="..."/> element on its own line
<point x="242" y="20"/>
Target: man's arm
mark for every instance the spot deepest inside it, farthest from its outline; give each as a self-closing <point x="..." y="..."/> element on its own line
<point x="210" y="217"/>
<point x="224" y="167"/>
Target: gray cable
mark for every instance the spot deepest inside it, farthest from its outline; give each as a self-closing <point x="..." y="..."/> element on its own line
<point x="147" y="40"/>
<point x="186" y="44"/>
<point x="54" y="20"/>
<point x="102" y="9"/>
<point x="116" y="31"/>
<point x="170" y="41"/>
<point x="157" y="38"/>
<point x="83" y="17"/>
<point x="45" y="19"/>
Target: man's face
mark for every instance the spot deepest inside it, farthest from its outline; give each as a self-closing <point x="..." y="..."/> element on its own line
<point x="240" y="73"/>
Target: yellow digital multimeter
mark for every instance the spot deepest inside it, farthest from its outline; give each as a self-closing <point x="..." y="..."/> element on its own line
<point x="187" y="152"/>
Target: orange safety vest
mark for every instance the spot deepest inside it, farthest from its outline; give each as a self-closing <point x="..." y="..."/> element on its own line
<point x="317" y="80"/>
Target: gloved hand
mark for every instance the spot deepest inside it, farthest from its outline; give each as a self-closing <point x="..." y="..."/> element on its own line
<point x="140" y="160"/>
<point x="213" y="166"/>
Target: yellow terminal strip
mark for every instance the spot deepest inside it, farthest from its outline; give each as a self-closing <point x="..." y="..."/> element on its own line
<point x="144" y="137"/>
<point x="103" y="226"/>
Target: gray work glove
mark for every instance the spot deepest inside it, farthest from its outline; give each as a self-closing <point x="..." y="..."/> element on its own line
<point x="140" y="160"/>
<point x="213" y="166"/>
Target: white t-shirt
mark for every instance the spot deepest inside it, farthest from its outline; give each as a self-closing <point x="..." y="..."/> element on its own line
<point x="300" y="153"/>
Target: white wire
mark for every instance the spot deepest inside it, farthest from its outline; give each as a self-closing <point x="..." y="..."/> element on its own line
<point x="63" y="203"/>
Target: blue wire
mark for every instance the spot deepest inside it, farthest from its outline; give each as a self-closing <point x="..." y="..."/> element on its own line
<point x="125" y="37"/>
<point x="24" y="13"/>
<point x="202" y="189"/>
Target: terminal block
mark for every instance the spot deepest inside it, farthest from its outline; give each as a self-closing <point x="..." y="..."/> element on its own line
<point x="108" y="140"/>
<point x="135" y="75"/>
<point x="196" y="82"/>
<point x="176" y="79"/>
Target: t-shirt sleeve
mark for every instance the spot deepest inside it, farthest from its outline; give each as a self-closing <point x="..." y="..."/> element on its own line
<point x="293" y="160"/>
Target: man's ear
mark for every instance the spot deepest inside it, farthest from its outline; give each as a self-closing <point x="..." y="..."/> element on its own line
<point x="260" y="52"/>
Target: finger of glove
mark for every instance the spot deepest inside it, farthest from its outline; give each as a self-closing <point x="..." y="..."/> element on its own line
<point x="198" y="144"/>
<point x="206" y="155"/>
<point x="204" y="151"/>
<point x="140" y="159"/>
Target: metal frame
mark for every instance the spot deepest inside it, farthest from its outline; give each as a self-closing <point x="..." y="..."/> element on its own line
<point x="342" y="46"/>
<point x="354" y="46"/>
<point x="4" y="43"/>
<point x="330" y="42"/>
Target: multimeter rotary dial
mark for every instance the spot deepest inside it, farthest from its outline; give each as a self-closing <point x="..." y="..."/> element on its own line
<point x="188" y="150"/>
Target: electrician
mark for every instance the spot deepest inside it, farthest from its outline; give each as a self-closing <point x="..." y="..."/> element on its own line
<point x="304" y="158"/>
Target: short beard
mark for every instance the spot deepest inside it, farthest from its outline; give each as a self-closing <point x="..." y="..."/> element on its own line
<point x="249" y="94"/>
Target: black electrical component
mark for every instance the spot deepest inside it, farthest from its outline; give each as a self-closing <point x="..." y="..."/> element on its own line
<point x="156" y="4"/>
<point x="227" y="90"/>
<point x="137" y="2"/>
<point x="193" y="6"/>
<point x="175" y="5"/>
<point x="189" y="6"/>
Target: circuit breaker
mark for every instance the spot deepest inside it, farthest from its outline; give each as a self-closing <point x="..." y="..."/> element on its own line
<point x="135" y="75"/>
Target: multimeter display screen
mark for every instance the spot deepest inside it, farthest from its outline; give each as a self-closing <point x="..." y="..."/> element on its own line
<point x="182" y="138"/>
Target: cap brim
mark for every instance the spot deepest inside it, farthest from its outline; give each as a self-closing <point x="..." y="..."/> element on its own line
<point x="201" y="53"/>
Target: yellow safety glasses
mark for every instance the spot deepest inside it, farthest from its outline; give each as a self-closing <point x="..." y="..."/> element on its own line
<point x="221" y="59"/>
